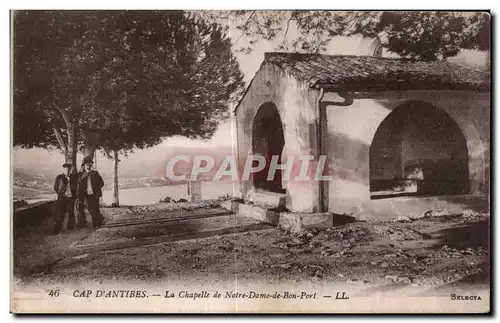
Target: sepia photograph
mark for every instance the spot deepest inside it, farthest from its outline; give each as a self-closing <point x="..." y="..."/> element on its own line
<point x="250" y="161"/>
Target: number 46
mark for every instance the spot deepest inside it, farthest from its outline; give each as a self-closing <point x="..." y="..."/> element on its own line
<point x="54" y="293"/>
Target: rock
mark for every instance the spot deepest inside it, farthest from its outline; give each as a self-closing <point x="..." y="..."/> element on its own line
<point x="435" y="213"/>
<point x="397" y="236"/>
<point x="470" y="213"/>
<point x="428" y="261"/>
<point x="404" y="280"/>
<point x="85" y="255"/>
<point x="284" y="266"/>
<point x="398" y="279"/>
<point x="403" y="218"/>
<point x="317" y="275"/>
<point x="298" y="241"/>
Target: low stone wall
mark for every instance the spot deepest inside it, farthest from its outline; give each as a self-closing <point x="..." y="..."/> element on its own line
<point x="33" y="213"/>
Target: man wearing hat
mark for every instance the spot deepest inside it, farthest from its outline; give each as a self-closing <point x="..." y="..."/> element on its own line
<point x="90" y="185"/>
<point x="65" y="186"/>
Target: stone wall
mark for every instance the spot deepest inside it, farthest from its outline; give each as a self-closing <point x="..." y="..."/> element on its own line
<point x="32" y="214"/>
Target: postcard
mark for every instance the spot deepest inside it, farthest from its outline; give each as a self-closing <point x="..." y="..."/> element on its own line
<point x="250" y="161"/>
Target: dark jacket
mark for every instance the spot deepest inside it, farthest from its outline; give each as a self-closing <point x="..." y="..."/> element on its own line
<point x="95" y="180"/>
<point x="61" y="183"/>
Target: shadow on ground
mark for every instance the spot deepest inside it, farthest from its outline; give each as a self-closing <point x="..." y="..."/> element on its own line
<point x="465" y="235"/>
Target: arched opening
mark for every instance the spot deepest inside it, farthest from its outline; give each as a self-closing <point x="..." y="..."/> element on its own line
<point x="418" y="150"/>
<point x="268" y="140"/>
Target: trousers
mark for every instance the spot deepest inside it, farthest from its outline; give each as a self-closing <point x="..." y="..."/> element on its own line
<point x="93" y="207"/>
<point x="64" y="204"/>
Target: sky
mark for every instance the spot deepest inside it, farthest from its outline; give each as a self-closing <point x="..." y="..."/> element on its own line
<point x="225" y="134"/>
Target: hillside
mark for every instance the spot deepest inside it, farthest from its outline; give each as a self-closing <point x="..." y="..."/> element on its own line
<point x="146" y="169"/>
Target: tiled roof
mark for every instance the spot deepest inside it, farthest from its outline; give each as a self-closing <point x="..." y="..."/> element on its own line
<point x="366" y="73"/>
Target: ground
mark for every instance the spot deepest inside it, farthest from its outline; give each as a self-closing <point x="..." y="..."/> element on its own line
<point x="205" y="243"/>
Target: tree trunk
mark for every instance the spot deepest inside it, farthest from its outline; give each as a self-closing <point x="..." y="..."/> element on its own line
<point x="91" y="140"/>
<point x="72" y="147"/>
<point x="116" y="201"/>
<point x="62" y="144"/>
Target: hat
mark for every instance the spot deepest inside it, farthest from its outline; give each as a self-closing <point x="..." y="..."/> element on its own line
<point x="87" y="160"/>
<point x="67" y="165"/>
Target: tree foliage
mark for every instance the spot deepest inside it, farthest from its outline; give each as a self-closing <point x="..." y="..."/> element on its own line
<point x="415" y="35"/>
<point x="130" y="78"/>
<point x="38" y="41"/>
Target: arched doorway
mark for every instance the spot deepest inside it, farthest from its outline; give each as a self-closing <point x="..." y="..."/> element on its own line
<point x="418" y="150"/>
<point x="268" y="140"/>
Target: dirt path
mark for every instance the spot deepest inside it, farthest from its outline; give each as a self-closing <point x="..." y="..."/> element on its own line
<point x="436" y="252"/>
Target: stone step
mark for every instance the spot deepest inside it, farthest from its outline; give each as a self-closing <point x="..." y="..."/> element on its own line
<point x="119" y="237"/>
<point x="174" y="217"/>
<point x="258" y="213"/>
<point x="266" y="199"/>
<point x="291" y="221"/>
